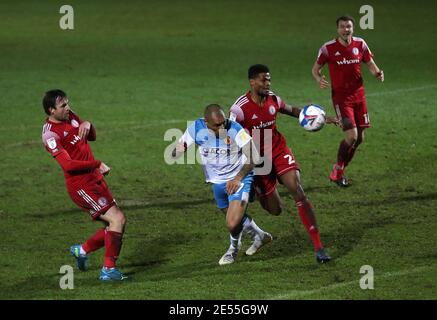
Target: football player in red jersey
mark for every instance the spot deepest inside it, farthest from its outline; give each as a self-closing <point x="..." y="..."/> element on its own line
<point x="344" y="56"/>
<point x="256" y="111"/>
<point x="66" y="137"/>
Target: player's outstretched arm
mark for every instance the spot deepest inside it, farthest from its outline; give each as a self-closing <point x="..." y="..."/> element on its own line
<point x="291" y="111"/>
<point x="333" y="120"/>
<point x="378" y="73"/>
<point x="320" y="79"/>
<point x="295" y="111"/>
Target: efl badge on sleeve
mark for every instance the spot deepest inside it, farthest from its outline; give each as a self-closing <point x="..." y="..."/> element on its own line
<point x="244" y="136"/>
<point x="51" y="143"/>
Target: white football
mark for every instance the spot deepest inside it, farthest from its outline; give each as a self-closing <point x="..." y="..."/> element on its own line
<point x="312" y="118"/>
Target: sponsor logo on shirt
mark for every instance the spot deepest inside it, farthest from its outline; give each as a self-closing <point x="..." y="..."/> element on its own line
<point x="344" y="61"/>
<point x="264" y="125"/>
<point x="76" y="139"/>
<point x="216" y="151"/>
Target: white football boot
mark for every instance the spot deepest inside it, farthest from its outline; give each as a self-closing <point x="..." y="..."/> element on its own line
<point x="258" y="243"/>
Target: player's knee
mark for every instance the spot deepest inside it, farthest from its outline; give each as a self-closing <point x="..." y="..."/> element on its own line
<point x="272" y="206"/>
<point x="275" y="210"/>
<point x="232" y="224"/>
<point x="351" y="140"/>
<point x="118" y="218"/>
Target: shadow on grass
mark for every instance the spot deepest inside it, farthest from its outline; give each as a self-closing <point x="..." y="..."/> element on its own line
<point x="35" y="287"/>
<point x="129" y="205"/>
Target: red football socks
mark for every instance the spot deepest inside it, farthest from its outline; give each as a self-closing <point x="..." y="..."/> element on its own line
<point x="113" y="246"/>
<point x="351" y="153"/>
<point x="305" y="209"/>
<point x="95" y="242"/>
<point x="343" y="153"/>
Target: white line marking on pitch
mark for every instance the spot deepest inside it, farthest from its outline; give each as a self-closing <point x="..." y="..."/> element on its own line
<point x="382" y="93"/>
<point x="295" y="294"/>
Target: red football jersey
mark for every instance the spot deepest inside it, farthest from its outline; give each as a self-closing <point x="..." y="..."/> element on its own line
<point x="257" y="119"/>
<point x="345" y="67"/>
<point x="58" y="137"/>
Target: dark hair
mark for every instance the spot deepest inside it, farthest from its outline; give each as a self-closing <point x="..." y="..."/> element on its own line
<point x="212" y="108"/>
<point x="256" y="69"/>
<point x="345" y="18"/>
<point x="50" y="97"/>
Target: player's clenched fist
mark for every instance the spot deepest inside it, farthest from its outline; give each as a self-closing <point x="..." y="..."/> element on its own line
<point x="181" y="147"/>
<point x="104" y="169"/>
<point x="323" y="83"/>
<point x="233" y="185"/>
<point x="380" y="76"/>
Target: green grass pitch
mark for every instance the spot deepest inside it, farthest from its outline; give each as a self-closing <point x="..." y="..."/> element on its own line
<point x="139" y="68"/>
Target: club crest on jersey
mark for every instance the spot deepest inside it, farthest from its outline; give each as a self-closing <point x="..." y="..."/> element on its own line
<point x="74" y="123"/>
<point x="102" y="201"/>
<point x="227" y="140"/>
<point x="51" y="143"/>
<point x="272" y="110"/>
<point x="355" y="51"/>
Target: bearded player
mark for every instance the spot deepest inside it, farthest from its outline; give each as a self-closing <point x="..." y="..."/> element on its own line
<point x="66" y="136"/>
<point x="256" y="111"/>
<point x="344" y="56"/>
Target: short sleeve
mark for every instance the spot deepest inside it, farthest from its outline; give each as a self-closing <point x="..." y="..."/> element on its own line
<point x="242" y="138"/>
<point x="281" y="103"/>
<point x="52" y="143"/>
<point x="236" y="114"/>
<point x="323" y="55"/>
<point x="189" y="135"/>
<point x="367" y="54"/>
<point x="239" y="134"/>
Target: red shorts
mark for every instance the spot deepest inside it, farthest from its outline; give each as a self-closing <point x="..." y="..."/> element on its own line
<point x="283" y="161"/>
<point x="352" y="114"/>
<point x="94" y="198"/>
